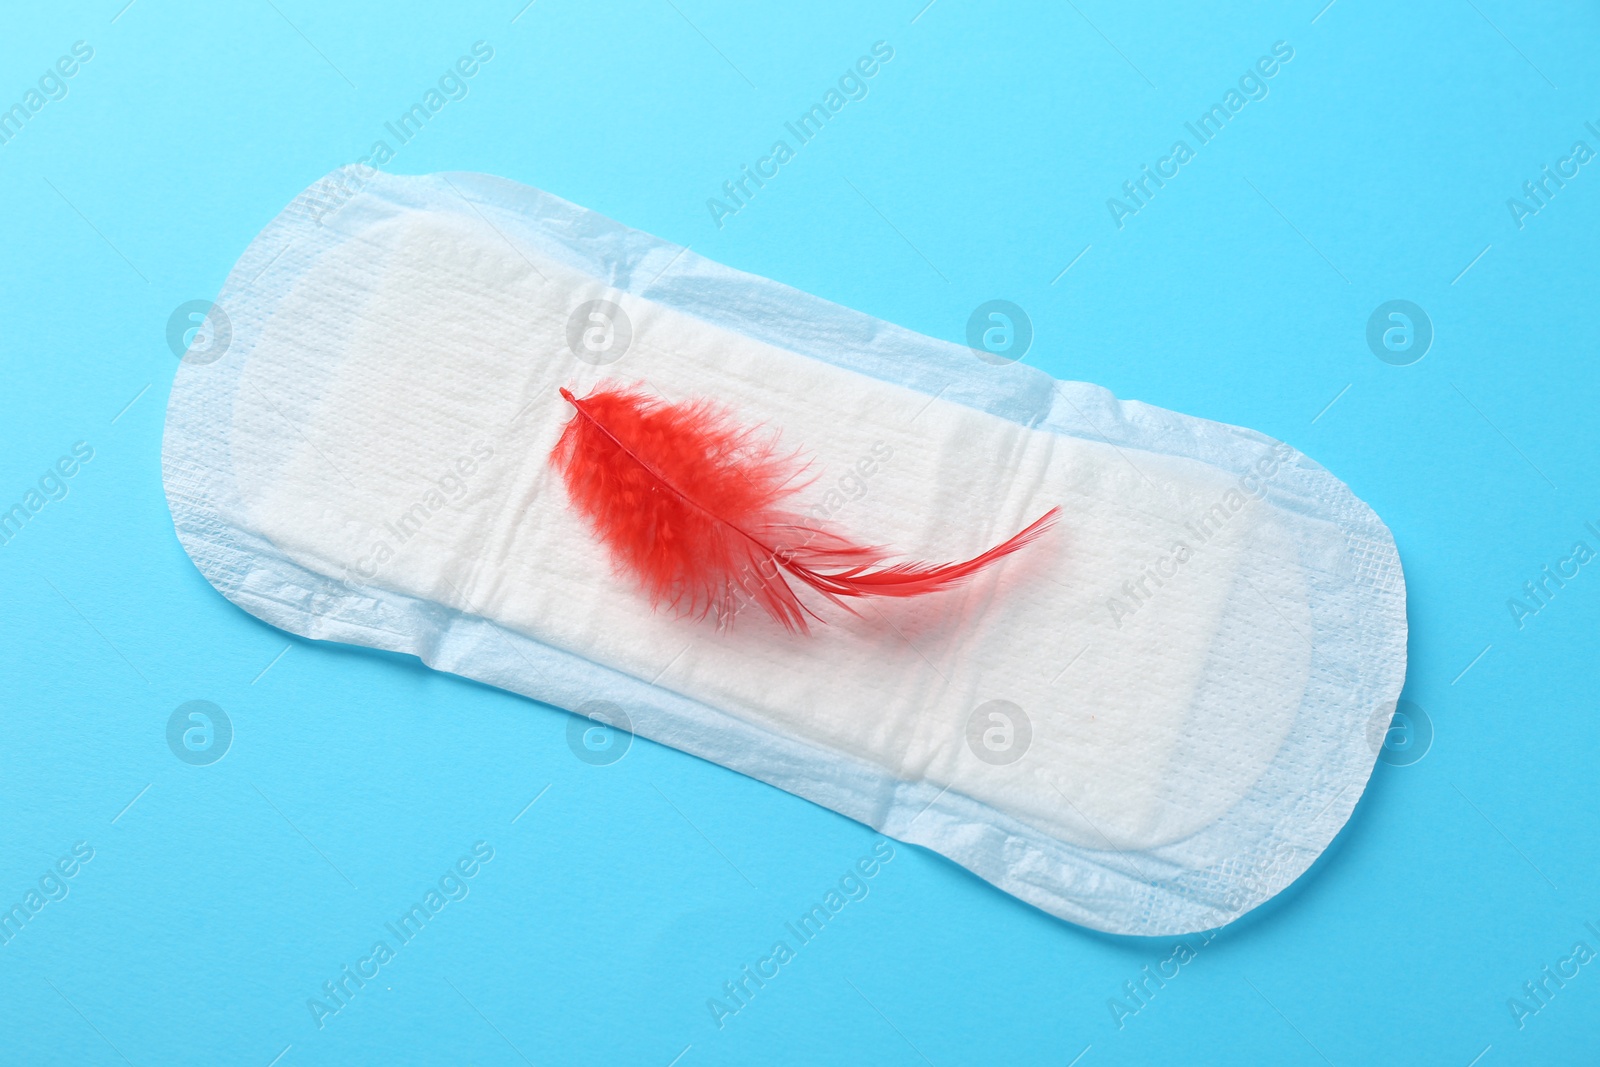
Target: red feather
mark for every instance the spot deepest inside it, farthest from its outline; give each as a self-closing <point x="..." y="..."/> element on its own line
<point x="697" y="507"/>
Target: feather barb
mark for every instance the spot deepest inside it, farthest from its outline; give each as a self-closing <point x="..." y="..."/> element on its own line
<point x="700" y="510"/>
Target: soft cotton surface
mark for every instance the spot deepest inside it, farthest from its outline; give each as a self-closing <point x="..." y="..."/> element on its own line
<point x="1199" y="651"/>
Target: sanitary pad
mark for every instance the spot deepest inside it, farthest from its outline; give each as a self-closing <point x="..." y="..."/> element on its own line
<point x="1148" y="722"/>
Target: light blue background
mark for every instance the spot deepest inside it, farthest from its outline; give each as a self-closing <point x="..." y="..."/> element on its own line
<point x="978" y="167"/>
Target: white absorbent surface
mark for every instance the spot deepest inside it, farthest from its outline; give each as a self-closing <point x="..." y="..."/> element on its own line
<point x="1194" y="668"/>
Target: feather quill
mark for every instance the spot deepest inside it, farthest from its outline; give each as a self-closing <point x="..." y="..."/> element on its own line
<point x="699" y="509"/>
